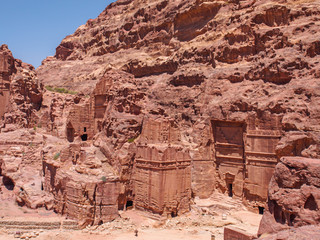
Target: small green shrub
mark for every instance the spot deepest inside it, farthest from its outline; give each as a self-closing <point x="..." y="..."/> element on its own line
<point x="35" y="128"/>
<point x="131" y="140"/>
<point x="56" y="156"/>
<point x="60" y="90"/>
<point x="103" y="179"/>
<point x="49" y="88"/>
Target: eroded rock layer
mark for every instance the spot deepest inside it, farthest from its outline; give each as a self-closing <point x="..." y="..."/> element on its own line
<point x="293" y="196"/>
<point x="20" y="92"/>
<point x="206" y="94"/>
<point x="175" y="99"/>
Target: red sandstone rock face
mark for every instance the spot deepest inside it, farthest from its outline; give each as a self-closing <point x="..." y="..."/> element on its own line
<point x="21" y="93"/>
<point x="294" y="195"/>
<point x="83" y="185"/>
<point x="20" y="101"/>
<point x="20" y="167"/>
<point x="304" y="232"/>
<point x="231" y="83"/>
<point x="188" y="96"/>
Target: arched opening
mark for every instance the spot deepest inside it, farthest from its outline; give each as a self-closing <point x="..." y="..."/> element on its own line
<point x="230" y="193"/>
<point x="278" y="213"/>
<point x="8" y="183"/>
<point x="261" y="210"/>
<point x="173" y="214"/>
<point x="311" y="203"/>
<point x="84" y="137"/>
<point x="100" y="222"/>
<point x="129" y="205"/>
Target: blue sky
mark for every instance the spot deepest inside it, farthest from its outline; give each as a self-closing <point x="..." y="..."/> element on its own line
<point x="34" y="28"/>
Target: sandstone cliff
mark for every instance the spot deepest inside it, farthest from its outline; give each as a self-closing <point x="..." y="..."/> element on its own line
<point x="20" y="143"/>
<point x="181" y="98"/>
<point x="233" y="83"/>
<point x="20" y="92"/>
<point x="293" y="200"/>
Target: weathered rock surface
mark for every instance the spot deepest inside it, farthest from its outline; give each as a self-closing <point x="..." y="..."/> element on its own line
<point x="304" y="232"/>
<point x="20" y="92"/>
<point x="20" y="168"/>
<point x="294" y="195"/>
<point x="178" y="99"/>
<point x="228" y="87"/>
<point x="84" y="186"/>
<point x="20" y="102"/>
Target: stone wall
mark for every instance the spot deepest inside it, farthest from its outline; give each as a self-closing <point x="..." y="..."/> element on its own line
<point x="82" y="187"/>
<point x="162" y="170"/>
<point x="233" y="233"/>
<point x="80" y="123"/>
<point x="162" y="180"/>
<point x="263" y="135"/>
<point x="245" y="156"/>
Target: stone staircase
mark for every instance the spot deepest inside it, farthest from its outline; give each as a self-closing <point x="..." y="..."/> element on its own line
<point x="38" y="224"/>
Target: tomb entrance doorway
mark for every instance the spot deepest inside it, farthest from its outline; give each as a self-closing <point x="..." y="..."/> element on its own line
<point x="229" y="155"/>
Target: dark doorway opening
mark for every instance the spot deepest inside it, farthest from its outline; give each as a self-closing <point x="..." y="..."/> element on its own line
<point x="261" y="210"/>
<point x="8" y="183"/>
<point x="84" y="137"/>
<point x="292" y="218"/>
<point x="230" y="190"/>
<point x="129" y="205"/>
<point x="173" y="214"/>
<point x="85" y="129"/>
<point x="100" y="222"/>
<point x="311" y="203"/>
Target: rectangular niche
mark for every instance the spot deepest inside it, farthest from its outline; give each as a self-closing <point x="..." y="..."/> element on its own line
<point x="100" y="107"/>
<point x="228" y="142"/>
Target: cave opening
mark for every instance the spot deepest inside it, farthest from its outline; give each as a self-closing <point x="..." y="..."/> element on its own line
<point x="173" y="214"/>
<point x="292" y="218"/>
<point x="261" y="210"/>
<point x="84" y="137"/>
<point x="8" y="183"/>
<point x="129" y="204"/>
<point x="311" y="203"/>
<point x="100" y="222"/>
<point x="230" y="194"/>
<point x="278" y="213"/>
